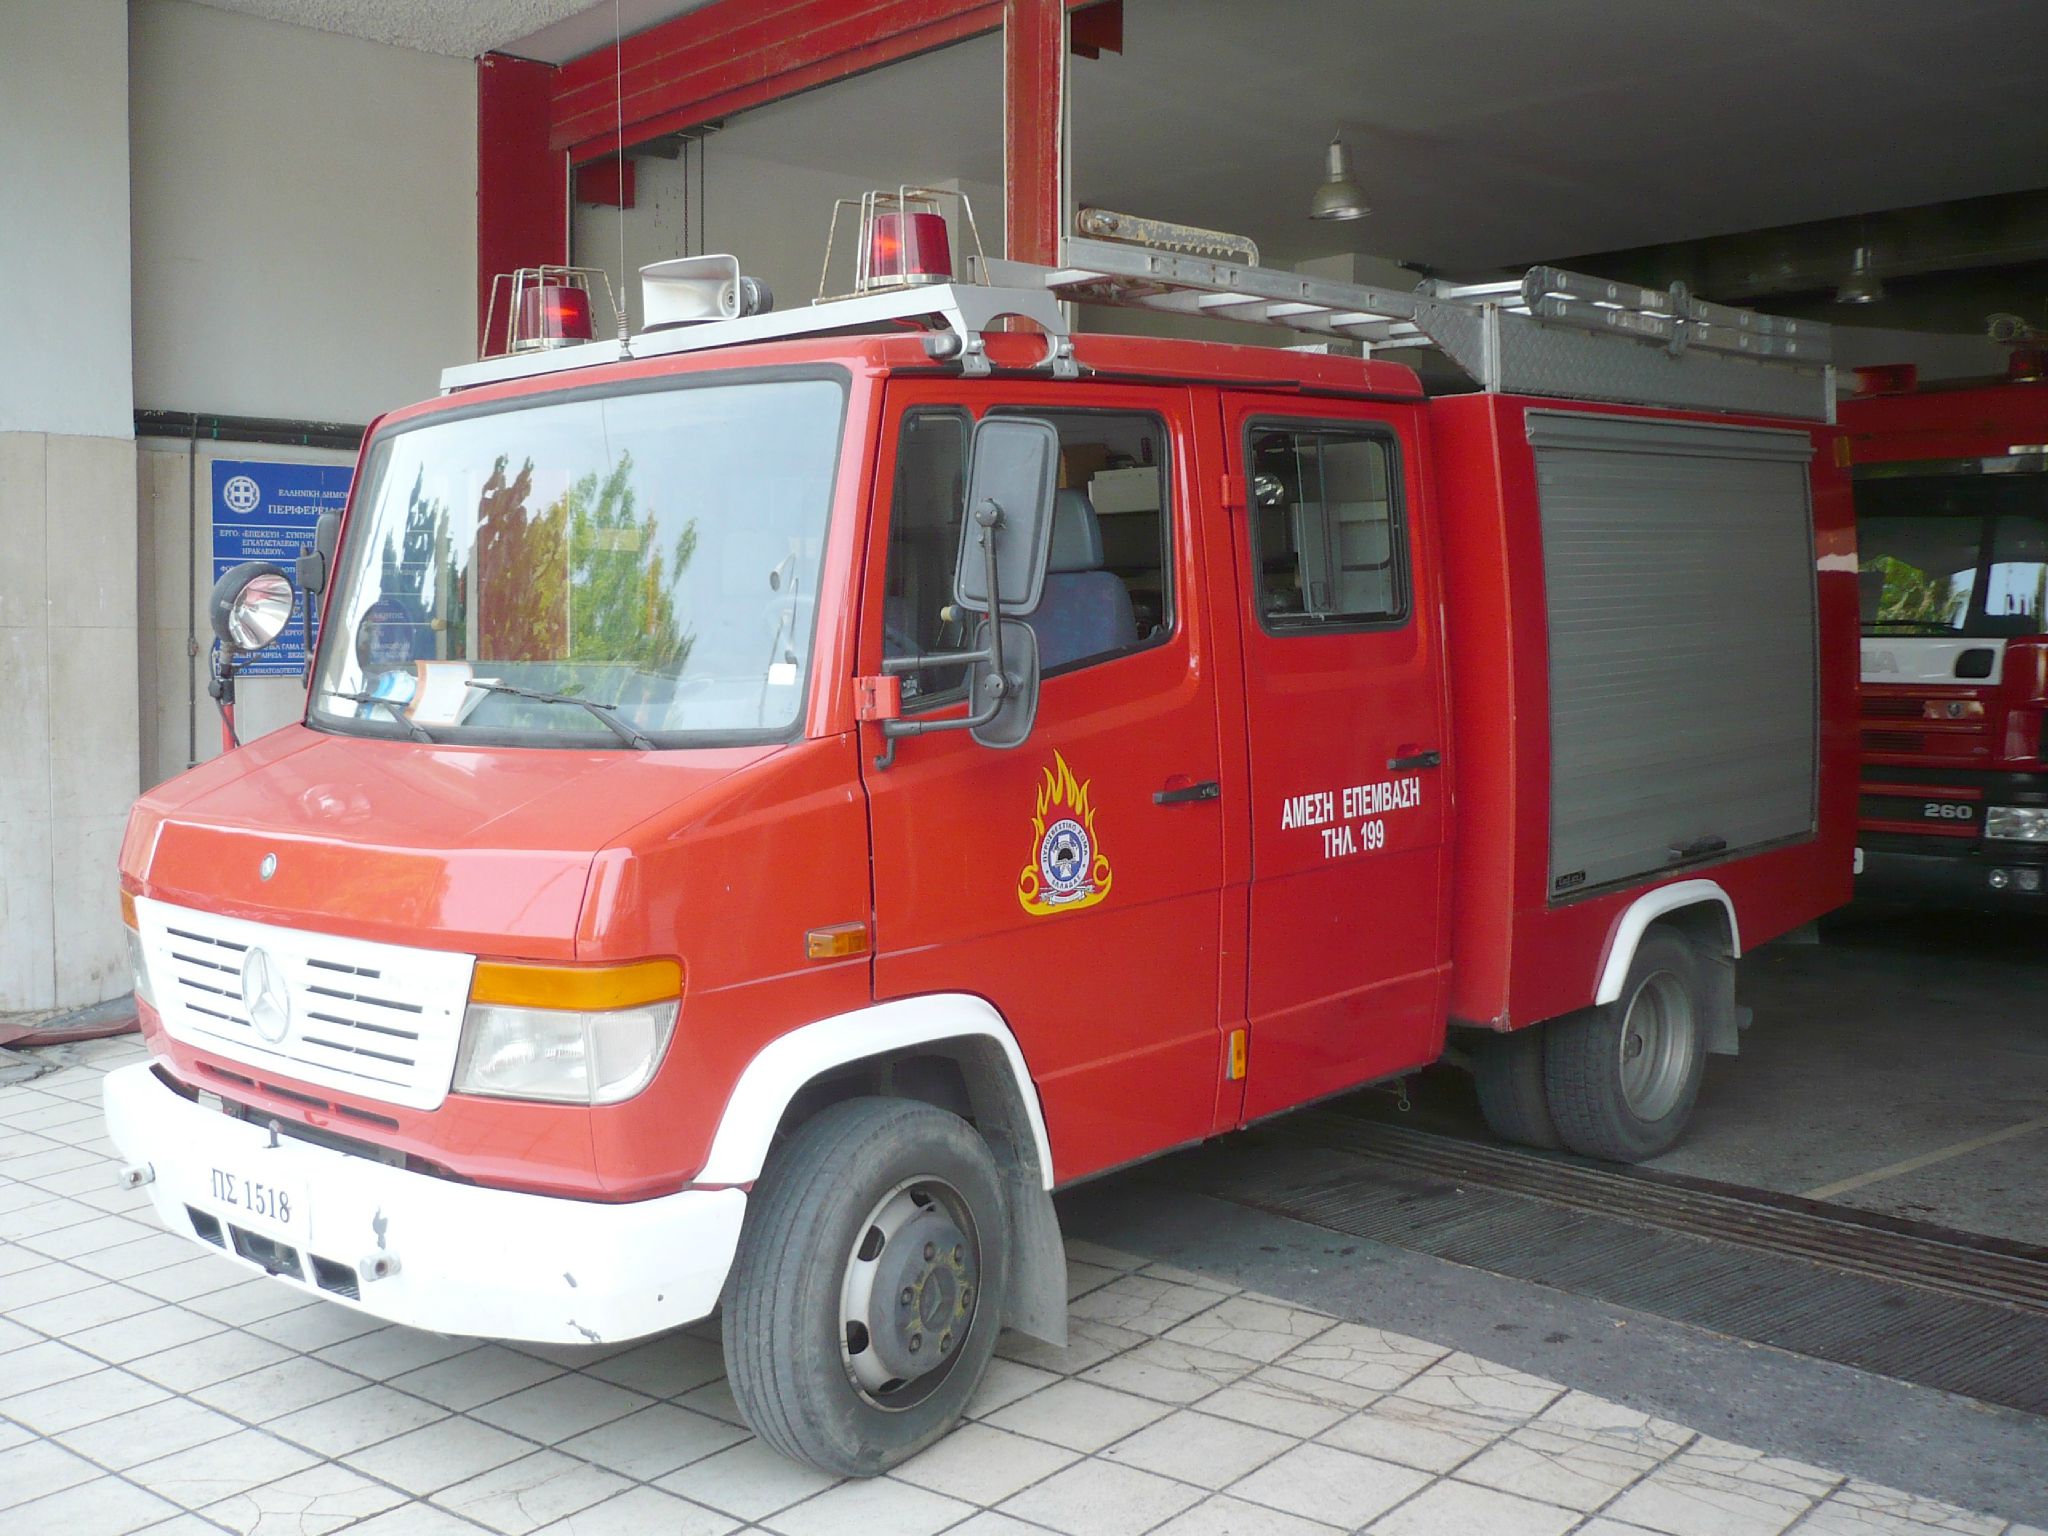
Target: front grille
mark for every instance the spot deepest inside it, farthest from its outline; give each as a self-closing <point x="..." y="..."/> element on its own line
<point x="1891" y="741"/>
<point x="1892" y="709"/>
<point x="380" y="1020"/>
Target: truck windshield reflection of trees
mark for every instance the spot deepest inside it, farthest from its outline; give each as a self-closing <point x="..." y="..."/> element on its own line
<point x="576" y="599"/>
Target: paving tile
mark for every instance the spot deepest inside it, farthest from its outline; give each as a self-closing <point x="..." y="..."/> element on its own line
<point x="313" y="1327"/>
<point x="208" y="1473"/>
<point x="125" y="1261"/>
<point x="98" y="1302"/>
<point x="12" y="1435"/>
<point x="392" y="1351"/>
<point x="1168" y="1371"/>
<point x="643" y="1512"/>
<point x="415" y="1520"/>
<point x="42" y="1364"/>
<point x="1470" y="1511"/>
<point x="37" y="1468"/>
<point x="1078" y="1415"/>
<point x="80" y="1400"/>
<point x="1195" y="1277"/>
<point x="667" y="1366"/>
<point x="655" y="1440"/>
<point x="275" y="1390"/>
<point x="1336" y="1487"/>
<point x="1083" y="1278"/>
<point x="526" y="1494"/>
<point x="1089" y="1343"/>
<point x="1482" y="1388"/>
<point x="714" y="1399"/>
<point x="40" y="1282"/>
<point x="1871" y="1509"/>
<point x="983" y="1465"/>
<point x="1142" y="1305"/>
<point x="989" y="1523"/>
<point x="866" y="1505"/>
<point x="56" y="1160"/>
<point x="102" y="1231"/>
<point x="478" y="1376"/>
<point x="143" y="1434"/>
<point x="1095" y="1253"/>
<point x="564" y="1406"/>
<point x="1099" y="1498"/>
<point x="1686" y="1500"/>
<point x="194" y="1276"/>
<point x="251" y="1301"/>
<point x="1364" y="1357"/>
<point x="1274" y="1397"/>
<point x="359" y="1419"/>
<point x="105" y="1506"/>
<point x="13" y="1260"/>
<point x="749" y="1481"/>
<point x="203" y="1352"/>
<point x="1222" y="1515"/>
<point x="438" y="1456"/>
<point x="309" y="1503"/>
<point x="1256" y="1330"/>
<point x="1197" y="1448"/>
<point x="1707" y="1454"/>
<point x="1414" y="1434"/>
<point x="1003" y="1383"/>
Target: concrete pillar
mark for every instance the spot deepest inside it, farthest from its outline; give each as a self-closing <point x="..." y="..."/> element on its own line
<point x="69" y="708"/>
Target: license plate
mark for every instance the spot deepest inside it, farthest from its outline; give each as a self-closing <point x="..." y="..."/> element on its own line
<point x="261" y="1202"/>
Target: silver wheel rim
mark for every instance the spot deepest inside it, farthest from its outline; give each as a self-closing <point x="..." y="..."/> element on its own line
<point x="871" y="1291"/>
<point x="1656" y="1046"/>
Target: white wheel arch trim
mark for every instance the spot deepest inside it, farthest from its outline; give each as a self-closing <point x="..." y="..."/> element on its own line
<point x="739" y="1150"/>
<point x="1645" y="910"/>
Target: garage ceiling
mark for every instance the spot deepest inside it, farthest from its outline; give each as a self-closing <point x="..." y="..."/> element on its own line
<point x="1485" y="134"/>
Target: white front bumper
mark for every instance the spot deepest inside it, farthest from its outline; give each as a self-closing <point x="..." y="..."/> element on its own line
<point x="487" y="1262"/>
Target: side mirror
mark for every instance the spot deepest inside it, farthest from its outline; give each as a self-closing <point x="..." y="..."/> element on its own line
<point x="1004" y="715"/>
<point x="250" y="606"/>
<point x="1006" y="537"/>
<point x="314" y="564"/>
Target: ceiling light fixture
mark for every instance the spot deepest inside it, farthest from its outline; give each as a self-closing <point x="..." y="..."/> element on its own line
<point x="1862" y="285"/>
<point x="1338" y="197"/>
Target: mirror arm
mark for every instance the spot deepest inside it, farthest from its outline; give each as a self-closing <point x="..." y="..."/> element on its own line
<point x="990" y="516"/>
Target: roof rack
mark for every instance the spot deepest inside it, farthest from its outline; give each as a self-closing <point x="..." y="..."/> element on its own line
<point x="1552" y="333"/>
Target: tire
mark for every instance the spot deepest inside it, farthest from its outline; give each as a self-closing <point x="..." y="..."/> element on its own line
<point x="1622" y="1077"/>
<point x="1508" y="1072"/>
<point x="870" y="1200"/>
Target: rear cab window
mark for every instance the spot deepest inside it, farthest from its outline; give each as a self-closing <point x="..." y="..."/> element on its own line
<point x="1328" y="534"/>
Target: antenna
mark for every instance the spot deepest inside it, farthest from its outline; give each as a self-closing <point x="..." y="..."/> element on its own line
<point x="619" y="106"/>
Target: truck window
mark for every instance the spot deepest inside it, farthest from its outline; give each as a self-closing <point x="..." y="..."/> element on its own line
<point x="1327" y="538"/>
<point x="1953" y="554"/>
<point x="1110" y="586"/>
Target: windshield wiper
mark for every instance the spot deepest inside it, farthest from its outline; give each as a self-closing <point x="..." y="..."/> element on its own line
<point x="413" y="727"/>
<point x="604" y="712"/>
<point x="1922" y="626"/>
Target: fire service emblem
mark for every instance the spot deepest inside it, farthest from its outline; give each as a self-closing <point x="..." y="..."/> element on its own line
<point x="1068" y="870"/>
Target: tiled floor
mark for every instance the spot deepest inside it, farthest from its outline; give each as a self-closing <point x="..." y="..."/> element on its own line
<point x="145" y="1385"/>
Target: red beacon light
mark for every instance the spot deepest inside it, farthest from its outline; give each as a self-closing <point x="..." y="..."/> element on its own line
<point x="905" y="240"/>
<point x="543" y="307"/>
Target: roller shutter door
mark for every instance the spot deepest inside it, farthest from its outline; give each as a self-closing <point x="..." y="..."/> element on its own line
<point x="1678" y="566"/>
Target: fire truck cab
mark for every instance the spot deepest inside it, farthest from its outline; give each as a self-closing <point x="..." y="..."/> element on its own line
<point x="780" y="794"/>
<point x="1952" y="518"/>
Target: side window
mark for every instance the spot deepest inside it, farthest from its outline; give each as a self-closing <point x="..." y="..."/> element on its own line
<point x="924" y="535"/>
<point x="1328" y="542"/>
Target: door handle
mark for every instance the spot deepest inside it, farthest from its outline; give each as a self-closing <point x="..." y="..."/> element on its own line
<point x="1208" y="789"/>
<point x="1418" y="760"/>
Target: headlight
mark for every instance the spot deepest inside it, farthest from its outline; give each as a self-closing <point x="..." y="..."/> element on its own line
<point x="568" y="1034"/>
<point x="2017" y="823"/>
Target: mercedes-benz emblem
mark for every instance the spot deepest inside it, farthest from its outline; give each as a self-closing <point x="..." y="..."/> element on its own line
<point x="266" y="995"/>
<point x="268" y="867"/>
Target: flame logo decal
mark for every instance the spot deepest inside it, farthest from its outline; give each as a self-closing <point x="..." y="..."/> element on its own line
<point x="1067" y="870"/>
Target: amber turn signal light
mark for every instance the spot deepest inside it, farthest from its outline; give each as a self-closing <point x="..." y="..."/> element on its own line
<point x="837" y="942"/>
<point x="589" y="988"/>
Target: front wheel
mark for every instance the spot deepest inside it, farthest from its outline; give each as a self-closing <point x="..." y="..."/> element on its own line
<point x="1622" y="1077"/>
<point x="869" y="1284"/>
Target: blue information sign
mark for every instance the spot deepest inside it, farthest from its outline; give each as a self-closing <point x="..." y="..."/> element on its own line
<point x="263" y="510"/>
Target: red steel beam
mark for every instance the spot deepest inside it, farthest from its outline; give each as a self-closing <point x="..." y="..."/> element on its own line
<point x="734" y="54"/>
<point x="522" y="185"/>
<point x="1034" y="127"/>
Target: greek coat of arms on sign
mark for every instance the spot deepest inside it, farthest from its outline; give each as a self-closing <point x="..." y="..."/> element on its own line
<point x="1068" y="869"/>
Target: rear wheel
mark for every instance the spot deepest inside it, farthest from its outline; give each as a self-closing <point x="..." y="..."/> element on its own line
<point x="1508" y="1072"/>
<point x="869" y="1284"/>
<point x="1622" y="1077"/>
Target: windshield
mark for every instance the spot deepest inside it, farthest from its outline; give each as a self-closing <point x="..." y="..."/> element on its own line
<point x="637" y="568"/>
<point x="1954" y="554"/>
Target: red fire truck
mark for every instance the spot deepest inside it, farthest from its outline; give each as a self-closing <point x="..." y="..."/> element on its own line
<point x="1951" y="484"/>
<point x="781" y="793"/>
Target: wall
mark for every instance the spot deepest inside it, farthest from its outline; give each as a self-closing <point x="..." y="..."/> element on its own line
<point x="304" y="217"/>
<point x="67" y="509"/>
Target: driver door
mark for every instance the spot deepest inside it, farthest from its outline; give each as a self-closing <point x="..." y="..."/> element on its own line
<point x="1048" y="879"/>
